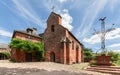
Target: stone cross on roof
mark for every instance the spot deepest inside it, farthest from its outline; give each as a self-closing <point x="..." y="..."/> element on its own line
<point x="53" y="8"/>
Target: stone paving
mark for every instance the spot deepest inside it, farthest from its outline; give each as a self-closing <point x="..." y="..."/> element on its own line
<point x="44" y="68"/>
<point x="18" y="71"/>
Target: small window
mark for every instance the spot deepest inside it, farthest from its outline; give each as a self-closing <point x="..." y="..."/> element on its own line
<point x="52" y="28"/>
<point x="77" y="47"/>
<point x="28" y="38"/>
<point x="72" y="45"/>
<point x="29" y="32"/>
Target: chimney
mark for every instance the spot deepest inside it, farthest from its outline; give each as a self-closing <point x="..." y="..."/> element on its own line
<point x="34" y="30"/>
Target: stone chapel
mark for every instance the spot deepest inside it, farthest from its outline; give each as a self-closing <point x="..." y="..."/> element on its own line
<point x="60" y="44"/>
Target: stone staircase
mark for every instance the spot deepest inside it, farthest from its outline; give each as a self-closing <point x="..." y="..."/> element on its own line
<point x="105" y="69"/>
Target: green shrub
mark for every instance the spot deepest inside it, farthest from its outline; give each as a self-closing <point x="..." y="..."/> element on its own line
<point x="114" y="56"/>
<point x="13" y="60"/>
<point x="26" y="45"/>
<point x="7" y="54"/>
<point x="93" y="62"/>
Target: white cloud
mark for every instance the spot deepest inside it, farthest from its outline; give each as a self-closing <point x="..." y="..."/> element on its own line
<point x="114" y="45"/>
<point x="116" y="50"/>
<point x="66" y="19"/>
<point x="62" y="1"/>
<point x="92" y="40"/>
<point x="114" y="34"/>
<point x="5" y="33"/>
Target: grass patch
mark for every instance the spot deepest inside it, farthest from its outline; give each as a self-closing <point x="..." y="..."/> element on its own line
<point x="117" y="63"/>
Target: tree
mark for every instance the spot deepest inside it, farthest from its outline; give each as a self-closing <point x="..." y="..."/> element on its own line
<point x="114" y="56"/>
<point x="88" y="54"/>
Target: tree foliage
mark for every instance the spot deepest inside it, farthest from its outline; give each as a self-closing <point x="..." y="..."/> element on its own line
<point x="7" y="54"/>
<point x="26" y="45"/>
<point x="114" y="56"/>
<point x="88" y="54"/>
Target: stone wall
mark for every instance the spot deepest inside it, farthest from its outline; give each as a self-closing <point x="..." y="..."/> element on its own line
<point x="25" y="37"/>
<point x="19" y="55"/>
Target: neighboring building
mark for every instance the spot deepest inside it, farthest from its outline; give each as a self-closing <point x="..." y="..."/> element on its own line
<point x="60" y="44"/>
<point x="4" y="49"/>
<point x="29" y="34"/>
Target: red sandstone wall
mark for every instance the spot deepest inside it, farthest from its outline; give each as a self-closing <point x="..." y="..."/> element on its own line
<point x="73" y="52"/>
<point x="19" y="55"/>
<point x="52" y="40"/>
<point x="24" y="37"/>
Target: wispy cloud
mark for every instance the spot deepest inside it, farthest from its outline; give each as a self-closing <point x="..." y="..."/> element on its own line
<point x="109" y="36"/>
<point x="90" y="14"/>
<point x="25" y="10"/>
<point x="113" y="34"/>
<point x="112" y="4"/>
<point x="62" y="1"/>
<point x="115" y="45"/>
<point x="67" y="19"/>
<point x="5" y="33"/>
<point x="116" y="50"/>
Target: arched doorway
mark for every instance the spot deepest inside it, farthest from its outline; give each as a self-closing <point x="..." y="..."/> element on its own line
<point x="52" y="57"/>
<point x="77" y="54"/>
<point x="28" y="57"/>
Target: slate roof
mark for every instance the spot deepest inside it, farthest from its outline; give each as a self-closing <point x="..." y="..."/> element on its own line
<point x="3" y="45"/>
<point x="25" y="32"/>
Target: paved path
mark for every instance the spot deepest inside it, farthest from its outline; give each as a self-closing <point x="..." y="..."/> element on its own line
<point x="19" y="71"/>
<point x="43" y="72"/>
<point x="44" y="68"/>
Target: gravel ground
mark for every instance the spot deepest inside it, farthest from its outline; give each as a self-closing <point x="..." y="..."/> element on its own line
<point x="27" y="71"/>
<point x="43" y="68"/>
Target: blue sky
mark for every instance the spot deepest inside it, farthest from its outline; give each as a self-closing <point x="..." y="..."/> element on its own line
<point x="79" y="16"/>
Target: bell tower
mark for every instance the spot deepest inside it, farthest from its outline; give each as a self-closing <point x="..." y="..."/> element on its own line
<point x="54" y="19"/>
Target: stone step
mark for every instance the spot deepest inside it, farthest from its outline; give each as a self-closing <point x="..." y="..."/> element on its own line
<point x="102" y="67"/>
<point x="105" y="69"/>
<point x="115" y="67"/>
<point x="108" y="72"/>
<point x="109" y="69"/>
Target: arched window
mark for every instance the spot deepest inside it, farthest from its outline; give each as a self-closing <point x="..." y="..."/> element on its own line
<point x="52" y="28"/>
<point x="73" y="45"/>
